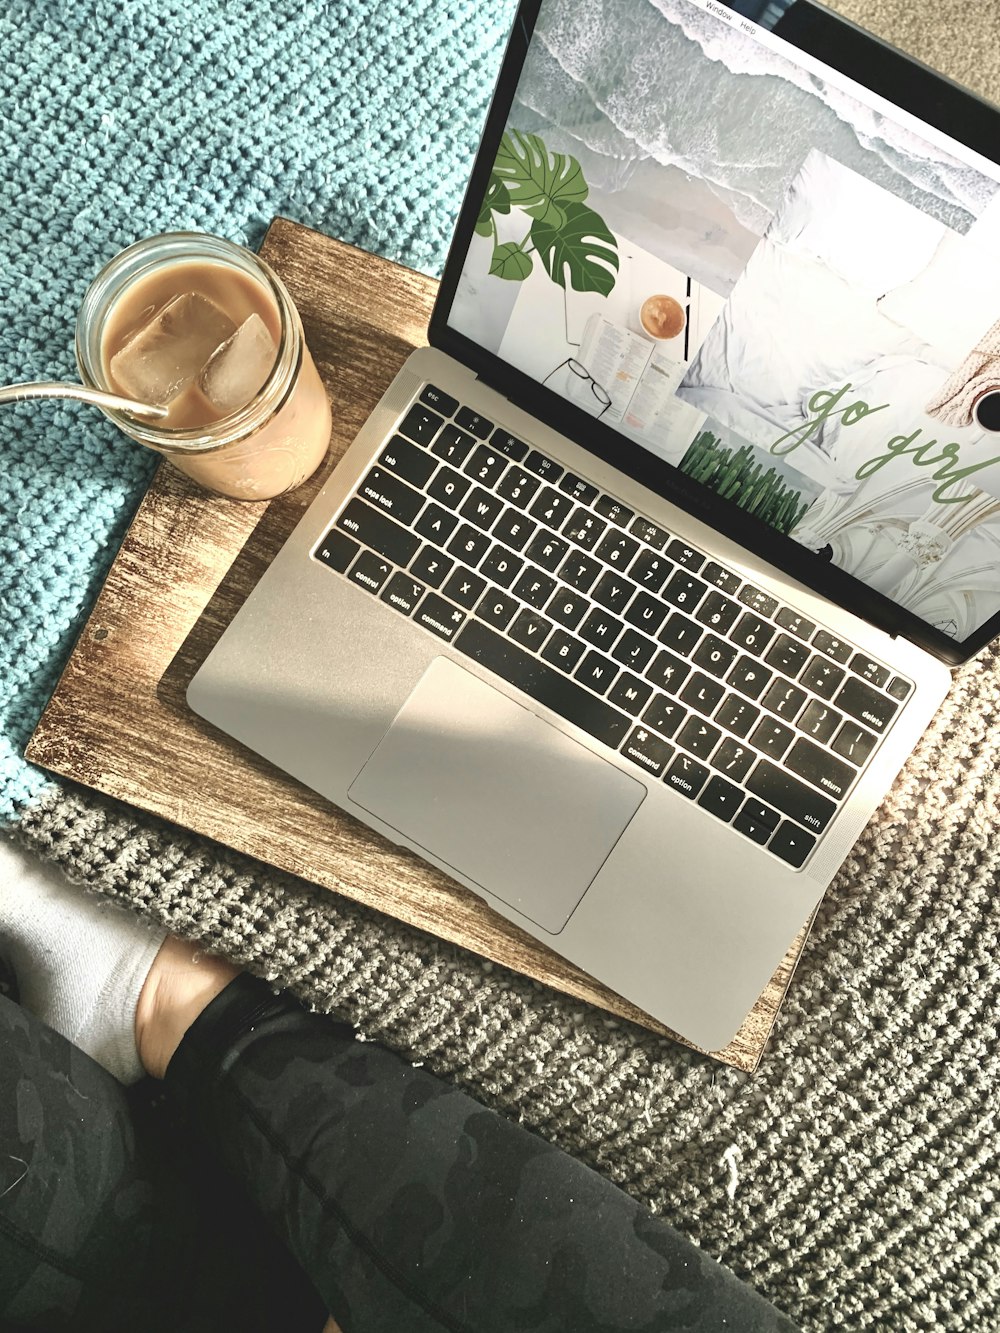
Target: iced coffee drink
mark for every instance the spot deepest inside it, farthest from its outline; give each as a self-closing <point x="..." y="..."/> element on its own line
<point x="205" y="330"/>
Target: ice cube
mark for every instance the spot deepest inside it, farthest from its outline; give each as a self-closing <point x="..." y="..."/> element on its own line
<point x="239" y="367"/>
<point x="168" y="353"/>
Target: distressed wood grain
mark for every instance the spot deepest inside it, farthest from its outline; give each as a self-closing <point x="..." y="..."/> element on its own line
<point x="118" y="723"/>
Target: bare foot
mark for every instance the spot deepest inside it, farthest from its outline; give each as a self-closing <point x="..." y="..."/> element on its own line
<point x="181" y="983"/>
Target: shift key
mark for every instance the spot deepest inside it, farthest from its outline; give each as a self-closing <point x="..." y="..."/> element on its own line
<point x="379" y="532"/>
<point x="793" y="798"/>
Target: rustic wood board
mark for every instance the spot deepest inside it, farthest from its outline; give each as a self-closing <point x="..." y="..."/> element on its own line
<point x="118" y="722"/>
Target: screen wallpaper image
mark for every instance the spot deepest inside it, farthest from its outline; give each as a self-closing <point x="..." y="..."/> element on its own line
<point x="695" y="236"/>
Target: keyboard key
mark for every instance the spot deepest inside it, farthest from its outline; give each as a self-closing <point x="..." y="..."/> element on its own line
<point x="854" y="743"/>
<point x="481" y="508"/>
<point x="667" y="671"/>
<point x="899" y="688"/>
<point x="543" y="683"/>
<point x="568" y="608"/>
<point x="509" y="444"/>
<point x="718" y="612"/>
<point x="473" y="423"/>
<point x="513" y="529"/>
<point x="563" y="651"/>
<point x="771" y="737"/>
<point x="497" y="608"/>
<point x="449" y="487"/>
<point x="369" y="571"/>
<point x="633" y="650"/>
<point x="337" y="550"/>
<point x="530" y="629"/>
<point x="379" y="532"/>
<point x="597" y="671"/>
<point x="431" y="567"/>
<point x="439" y="616"/>
<point x="792" y="844"/>
<point x="680" y="633"/>
<point x="550" y="507"/>
<point x="613" y="592"/>
<point x="390" y="495"/>
<point x="721" y="799"/>
<point x="664" y="714"/>
<point x="787" y="655"/>
<point x="501" y="566"/>
<point x="545" y="468"/>
<point x="601" y="629"/>
<point x="518" y="486"/>
<point x="403" y="592"/>
<point x="685" y="555"/>
<point x="579" y="571"/>
<point x="646" y="612"/>
<point x="534" y="587"/>
<point x="650" y="570"/>
<point x="794" y="623"/>
<point x="820" y="768"/>
<point x="784" y="698"/>
<point x="650" y="533"/>
<point x="749" y="823"/>
<point x="822" y="677"/>
<point x="733" y="759"/>
<point x="469" y="544"/>
<point x="584" y="528"/>
<point x="546" y="549"/>
<point x="820" y="721"/>
<point x="453" y="446"/>
<point x="699" y="736"/>
<point x="616" y="549"/>
<point x="715" y="655"/>
<point x="580" y="490"/>
<point x="648" y="751"/>
<point x="464" y="588"/>
<point x="792" y="797"/>
<point x="686" y="775"/>
<point x="737" y="716"/>
<point x="442" y="402"/>
<point x="761" y="602"/>
<point x="835" y="648"/>
<point x="751" y="633"/>
<point x="614" y="511"/>
<point x="420" y="424"/>
<point x="436" y="524"/>
<point x="684" y="590"/>
<point x="749" y="677"/>
<point x="721" y="578"/>
<point x="868" y="670"/>
<point x="486" y="465"/>
<point x="866" y="705"/>
<point x="407" y="461"/>
<point x="630" y="693"/>
<point x="703" y="693"/>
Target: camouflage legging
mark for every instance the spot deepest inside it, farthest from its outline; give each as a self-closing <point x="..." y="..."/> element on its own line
<point x="412" y="1208"/>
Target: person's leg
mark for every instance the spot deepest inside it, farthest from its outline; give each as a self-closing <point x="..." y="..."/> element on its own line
<point x="410" y="1205"/>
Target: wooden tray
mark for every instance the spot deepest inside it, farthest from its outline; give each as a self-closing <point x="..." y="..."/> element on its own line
<point x="118" y="722"/>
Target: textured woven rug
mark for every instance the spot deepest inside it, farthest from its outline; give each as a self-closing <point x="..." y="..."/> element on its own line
<point x="853" y="1180"/>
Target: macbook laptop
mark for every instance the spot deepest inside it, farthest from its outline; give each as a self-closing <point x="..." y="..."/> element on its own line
<point x="640" y="584"/>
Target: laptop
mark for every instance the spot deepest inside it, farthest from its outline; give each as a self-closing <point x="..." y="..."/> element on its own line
<point x="642" y="581"/>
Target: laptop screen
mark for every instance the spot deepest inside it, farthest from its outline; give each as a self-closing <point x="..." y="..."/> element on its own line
<point x="754" y="268"/>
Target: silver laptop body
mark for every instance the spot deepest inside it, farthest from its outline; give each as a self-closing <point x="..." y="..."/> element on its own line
<point x="622" y="822"/>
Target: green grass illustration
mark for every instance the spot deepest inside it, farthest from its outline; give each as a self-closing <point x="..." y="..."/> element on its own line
<point x="736" y="475"/>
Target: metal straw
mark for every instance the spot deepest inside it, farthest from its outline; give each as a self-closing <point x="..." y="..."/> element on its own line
<point x="19" y="393"/>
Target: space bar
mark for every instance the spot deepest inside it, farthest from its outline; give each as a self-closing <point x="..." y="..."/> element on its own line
<point x="544" y="684"/>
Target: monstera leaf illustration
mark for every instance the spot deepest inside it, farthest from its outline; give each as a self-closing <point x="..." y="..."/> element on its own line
<point x="540" y="182"/>
<point x="509" y="261"/>
<point x="581" y="247"/>
<point x="496" y="200"/>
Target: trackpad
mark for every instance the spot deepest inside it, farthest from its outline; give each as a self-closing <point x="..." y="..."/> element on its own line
<point x="493" y="791"/>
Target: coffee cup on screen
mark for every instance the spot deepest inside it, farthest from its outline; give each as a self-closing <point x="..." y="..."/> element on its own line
<point x="662" y="317"/>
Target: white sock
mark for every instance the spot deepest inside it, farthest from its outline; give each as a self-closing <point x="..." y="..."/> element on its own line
<point x="80" y="963"/>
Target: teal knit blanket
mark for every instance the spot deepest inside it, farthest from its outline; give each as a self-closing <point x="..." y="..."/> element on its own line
<point x="123" y="118"/>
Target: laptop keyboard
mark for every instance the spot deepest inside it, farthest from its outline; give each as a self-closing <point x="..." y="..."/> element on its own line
<point x="731" y="698"/>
